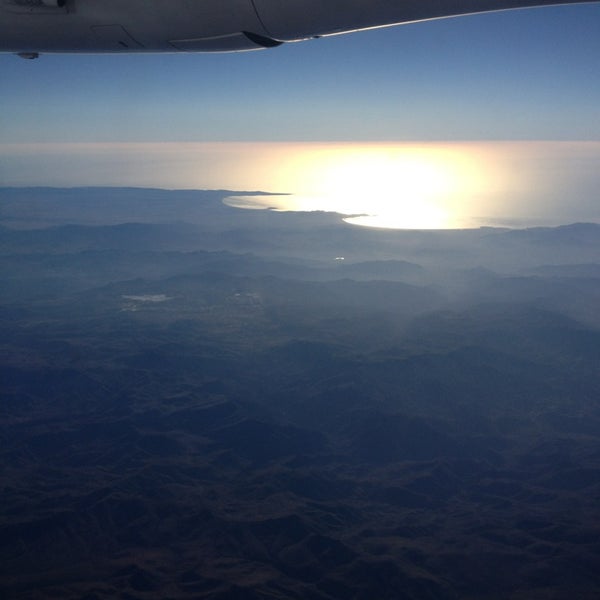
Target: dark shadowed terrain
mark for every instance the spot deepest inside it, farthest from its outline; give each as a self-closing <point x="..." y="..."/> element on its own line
<point x="205" y="402"/>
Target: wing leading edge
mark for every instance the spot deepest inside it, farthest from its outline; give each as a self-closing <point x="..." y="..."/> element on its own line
<point x="28" y="27"/>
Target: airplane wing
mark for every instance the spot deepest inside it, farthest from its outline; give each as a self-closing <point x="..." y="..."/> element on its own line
<point x="28" y="27"/>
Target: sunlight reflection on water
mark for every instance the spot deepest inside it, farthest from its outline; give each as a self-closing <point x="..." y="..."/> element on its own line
<point x="440" y="186"/>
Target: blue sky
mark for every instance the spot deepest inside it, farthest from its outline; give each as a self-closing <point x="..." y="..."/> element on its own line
<point x="527" y="74"/>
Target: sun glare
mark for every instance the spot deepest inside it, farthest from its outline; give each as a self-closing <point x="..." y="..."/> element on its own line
<point x="397" y="186"/>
